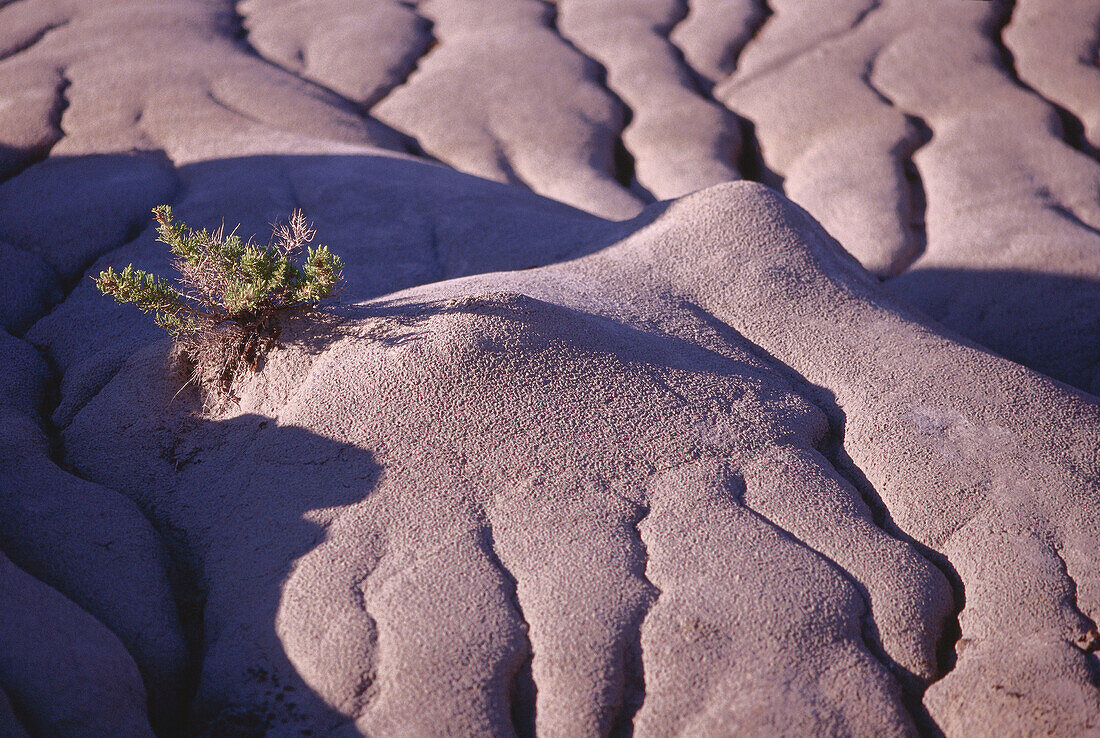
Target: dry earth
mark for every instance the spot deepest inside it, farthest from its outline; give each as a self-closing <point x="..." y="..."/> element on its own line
<point x="602" y="438"/>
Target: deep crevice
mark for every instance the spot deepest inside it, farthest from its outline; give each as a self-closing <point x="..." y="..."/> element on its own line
<point x="189" y="593"/>
<point x="523" y="700"/>
<point x="833" y="449"/>
<point x="1066" y="214"/>
<point x="504" y="161"/>
<point x="430" y="45"/>
<point x="411" y="143"/>
<point x="634" y="684"/>
<point x="766" y="14"/>
<point x="909" y="684"/>
<point x="732" y="52"/>
<point x="133" y="231"/>
<point x="31" y="40"/>
<point x="751" y="163"/>
<point x="915" y="206"/>
<point x="182" y="571"/>
<point x="862" y="16"/>
<point x="794" y="56"/>
<point x="622" y="159"/>
<point x="700" y="84"/>
<point x="523" y="692"/>
<point x="410" y="65"/>
<point x="235" y="28"/>
<point x="182" y="567"/>
<point x="625" y="164"/>
<point x="916" y="224"/>
<point x="41" y="152"/>
<point x="1072" y="130"/>
<point x="1088" y="642"/>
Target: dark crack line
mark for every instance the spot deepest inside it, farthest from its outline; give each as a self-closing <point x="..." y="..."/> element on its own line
<point x="916" y="223"/>
<point x="751" y="163"/>
<point x="833" y="449"/>
<point x="624" y="160"/>
<point x="704" y="84"/>
<point x="503" y="161"/>
<point x="1086" y="642"/>
<point x="523" y="691"/>
<point x="182" y="569"/>
<point x="367" y="688"/>
<point x="915" y="210"/>
<point x="858" y="21"/>
<point x="1067" y="214"/>
<point x="909" y="683"/>
<point x="766" y="13"/>
<point x="69" y="286"/>
<point x="57" y="446"/>
<point x="237" y="31"/>
<point x="182" y="573"/>
<point x="409" y="64"/>
<point x="412" y="143"/>
<point x="189" y="593"/>
<point x="26" y="44"/>
<point x="177" y="572"/>
<point x="429" y="46"/>
<point x="234" y="111"/>
<point x="791" y="58"/>
<point x="1072" y="130"/>
<point x="57" y="117"/>
<point x="42" y="152"/>
<point x="634" y="677"/>
<point x="701" y="86"/>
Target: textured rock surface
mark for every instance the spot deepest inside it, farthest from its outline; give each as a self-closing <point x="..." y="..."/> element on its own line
<point x="679" y="140"/>
<point x="67" y="672"/>
<point x="469" y="105"/>
<point x="1056" y="51"/>
<point x="676" y="468"/>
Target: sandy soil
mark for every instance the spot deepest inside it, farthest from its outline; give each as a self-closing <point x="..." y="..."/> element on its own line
<point x="704" y="367"/>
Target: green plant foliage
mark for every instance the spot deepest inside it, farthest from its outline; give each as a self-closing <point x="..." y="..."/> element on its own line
<point x="224" y="279"/>
<point x="228" y="291"/>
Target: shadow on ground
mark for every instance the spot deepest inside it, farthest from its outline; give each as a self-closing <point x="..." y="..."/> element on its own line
<point x="397" y="223"/>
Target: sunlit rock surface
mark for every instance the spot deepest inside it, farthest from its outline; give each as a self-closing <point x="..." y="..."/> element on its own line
<point x="600" y="438"/>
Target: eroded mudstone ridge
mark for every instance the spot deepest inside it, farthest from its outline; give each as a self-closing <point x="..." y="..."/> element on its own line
<point x="602" y="440"/>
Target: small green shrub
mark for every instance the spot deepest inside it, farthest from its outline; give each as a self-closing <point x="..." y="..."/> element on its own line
<point x="225" y="304"/>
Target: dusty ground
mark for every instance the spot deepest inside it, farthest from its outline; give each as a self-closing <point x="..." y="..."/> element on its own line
<point x="604" y="437"/>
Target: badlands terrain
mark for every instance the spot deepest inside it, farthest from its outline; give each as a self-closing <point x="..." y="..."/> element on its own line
<point x="704" y="368"/>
